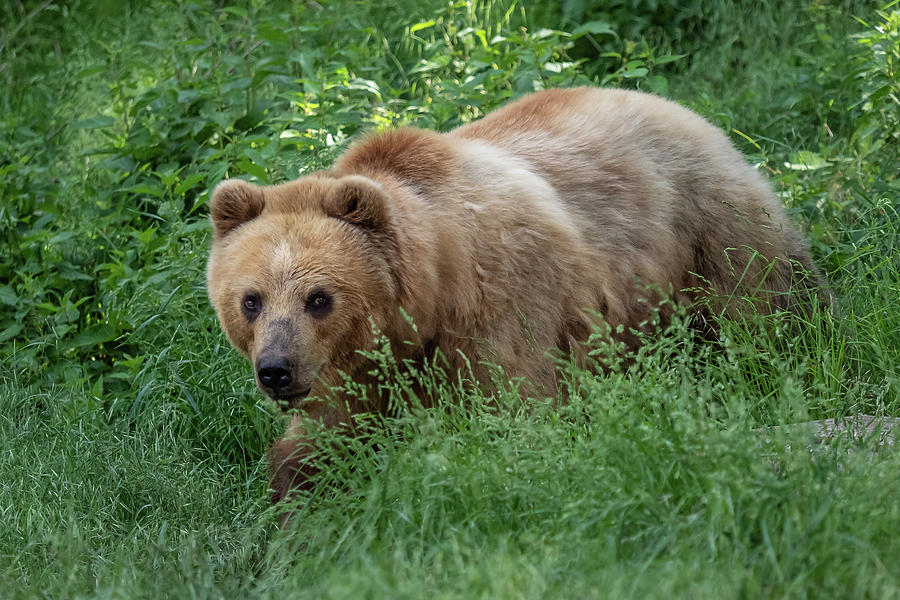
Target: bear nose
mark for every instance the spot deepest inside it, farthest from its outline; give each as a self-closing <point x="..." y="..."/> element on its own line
<point x="274" y="373"/>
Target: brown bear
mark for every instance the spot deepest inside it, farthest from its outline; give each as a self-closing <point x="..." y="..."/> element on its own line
<point x="499" y="240"/>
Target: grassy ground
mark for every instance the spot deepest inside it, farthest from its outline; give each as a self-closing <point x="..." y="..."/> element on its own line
<point x="132" y="439"/>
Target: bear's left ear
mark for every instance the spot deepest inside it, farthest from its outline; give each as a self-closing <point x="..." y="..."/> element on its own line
<point x="359" y="201"/>
<point x="233" y="203"/>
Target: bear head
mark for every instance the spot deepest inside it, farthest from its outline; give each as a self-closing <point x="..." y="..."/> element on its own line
<point x="299" y="274"/>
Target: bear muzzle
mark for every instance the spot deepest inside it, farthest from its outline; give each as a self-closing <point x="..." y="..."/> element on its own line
<point x="275" y="375"/>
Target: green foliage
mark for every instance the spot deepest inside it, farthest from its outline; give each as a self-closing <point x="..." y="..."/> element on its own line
<point x="631" y="480"/>
<point x="134" y="436"/>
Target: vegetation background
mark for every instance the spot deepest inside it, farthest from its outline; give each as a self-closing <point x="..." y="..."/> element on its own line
<point x="132" y="439"/>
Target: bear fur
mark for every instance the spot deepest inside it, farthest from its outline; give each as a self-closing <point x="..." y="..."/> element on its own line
<point x="500" y="240"/>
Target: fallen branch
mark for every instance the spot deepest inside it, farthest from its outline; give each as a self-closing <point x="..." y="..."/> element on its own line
<point x="861" y="428"/>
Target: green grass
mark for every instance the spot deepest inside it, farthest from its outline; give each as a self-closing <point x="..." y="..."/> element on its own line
<point x="132" y="439"/>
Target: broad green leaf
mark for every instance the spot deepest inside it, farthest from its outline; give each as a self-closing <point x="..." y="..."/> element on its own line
<point x="658" y="85"/>
<point x="661" y="60"/>
<point x="187" y="96"/>
<point x="96" y="122"/>
<point x="253" y="169"/>
<point x="435" y="62"/>
<point x="421" y="26"/>
<point x="188" y="183"/>
<point x="594" y="28"/>
<point x="93" y="336"/>
<point x="805" y="160"/>
<point x="12" y="331"/>
<point x="272" y="34"/>
<point x="85" y="73"/>
<point x="634" y="73"/>
<point x="8" y="296"/>
<point x="238" y="84"/>
<point x="150" y="44"/>
<point x="364" y="84"/>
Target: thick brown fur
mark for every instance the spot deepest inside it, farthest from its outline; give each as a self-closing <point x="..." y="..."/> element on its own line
<point x="500" y="240"/>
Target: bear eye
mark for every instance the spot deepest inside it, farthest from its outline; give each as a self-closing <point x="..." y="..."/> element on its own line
<point x="318" y="304"/>
<point x="251" y="305"/>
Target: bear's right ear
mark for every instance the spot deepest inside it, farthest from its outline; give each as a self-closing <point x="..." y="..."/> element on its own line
<point x="359" y="201"/>
<point x="233" y="203"/>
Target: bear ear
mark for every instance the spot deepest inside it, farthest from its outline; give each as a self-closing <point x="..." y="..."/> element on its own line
<point x="233" y="203"/>
<point x="358" y="201"/>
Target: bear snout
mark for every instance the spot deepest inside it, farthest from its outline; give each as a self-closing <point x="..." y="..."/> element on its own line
<point x="282" y="372"/>
<point x="274" y="373"/>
